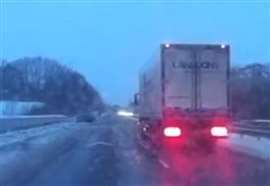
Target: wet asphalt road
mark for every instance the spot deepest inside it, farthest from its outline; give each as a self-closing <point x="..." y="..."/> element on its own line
<point x="106" y="153"/>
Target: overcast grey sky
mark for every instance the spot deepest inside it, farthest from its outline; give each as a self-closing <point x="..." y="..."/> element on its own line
<point x="109" y="42"/>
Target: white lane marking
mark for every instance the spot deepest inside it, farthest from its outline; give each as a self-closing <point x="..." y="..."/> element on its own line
<point x="164" y="164"/>
<point x="99" y="143"/>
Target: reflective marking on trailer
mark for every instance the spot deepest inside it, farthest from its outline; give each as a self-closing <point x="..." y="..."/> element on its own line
<point x="164" y="164"/>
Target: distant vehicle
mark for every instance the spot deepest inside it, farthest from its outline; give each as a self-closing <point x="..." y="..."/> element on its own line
<point x="86" y="117"/>
<point x="125" y="113"/>
<point x="183" y="97"/>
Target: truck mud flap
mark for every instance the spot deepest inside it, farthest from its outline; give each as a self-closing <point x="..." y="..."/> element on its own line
<point x="146" y="146"/>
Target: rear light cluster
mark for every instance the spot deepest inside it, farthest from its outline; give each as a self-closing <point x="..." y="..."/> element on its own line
<point x="219" y="131"/>
<point x="172" y="131"/>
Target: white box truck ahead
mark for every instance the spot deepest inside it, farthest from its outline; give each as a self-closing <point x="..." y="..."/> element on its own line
<point x="183" y="95"/>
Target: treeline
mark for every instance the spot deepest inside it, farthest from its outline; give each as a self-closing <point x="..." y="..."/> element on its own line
<point x="250" y="89"/>
<point x="63" y="90"/>
<point x="66" y="91"/>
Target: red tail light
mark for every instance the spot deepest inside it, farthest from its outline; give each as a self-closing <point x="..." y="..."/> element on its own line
<point x="172" y="131"/>
<point x="219" y="131"/>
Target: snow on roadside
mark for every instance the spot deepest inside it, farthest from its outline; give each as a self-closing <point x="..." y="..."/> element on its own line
<point x="11" y="123"/>
<point x="12" y="108"/>
<point x="25" y="154"/>
<point x="254" y="146"/>
<point x="22" y="135"/>
<point x="31" y="147"/>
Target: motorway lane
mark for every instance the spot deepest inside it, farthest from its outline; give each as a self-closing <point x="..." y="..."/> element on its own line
<point x="223" y="167"/>
<point x="106" y="153"/>
<point x="90" y="161"/>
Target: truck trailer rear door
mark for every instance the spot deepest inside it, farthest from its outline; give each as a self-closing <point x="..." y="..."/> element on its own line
<point x="195" y="76"/>
<point x="213" y="69"/>
<point x="178" y="77"/>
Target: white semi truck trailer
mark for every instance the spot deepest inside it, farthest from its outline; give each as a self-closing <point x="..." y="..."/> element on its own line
<point x="183" y="97"/>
